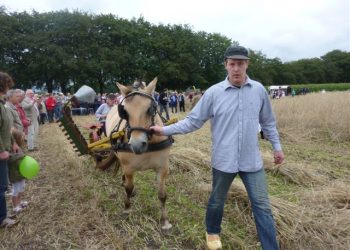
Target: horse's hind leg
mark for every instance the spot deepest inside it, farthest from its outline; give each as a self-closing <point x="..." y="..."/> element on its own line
<point x="162" y="175"/>
<point x="129" y="188"/>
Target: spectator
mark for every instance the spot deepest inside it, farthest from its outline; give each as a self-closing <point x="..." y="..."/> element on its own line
<point x="50" y="106"/>
<point x="6" y="146"/>
<point x="30" y="107"/>
<point x="16" y="179"/>
<point x="182" y="102"/>
<point x="58" y="107"/>
<point x="173" y="102"/>
<point x="102" y="111"/>
<point x="22" y="115"/>
<point x="42" y="109"/>
<point x="163" y="104"/>
<point x="13" y="98"/>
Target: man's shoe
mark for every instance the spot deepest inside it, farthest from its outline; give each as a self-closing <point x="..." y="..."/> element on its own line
<point x="8" y="223"/>
<point x="213" y="241"/>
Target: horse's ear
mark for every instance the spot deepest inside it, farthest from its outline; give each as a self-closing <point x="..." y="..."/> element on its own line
<point x="123" y="89"/>
<point x="151" y="86"/>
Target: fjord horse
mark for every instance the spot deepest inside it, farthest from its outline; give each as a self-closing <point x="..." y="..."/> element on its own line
<point x="141" y="149"/>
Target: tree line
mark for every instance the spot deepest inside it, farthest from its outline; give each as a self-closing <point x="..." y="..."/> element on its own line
<point x="68" y="49"/>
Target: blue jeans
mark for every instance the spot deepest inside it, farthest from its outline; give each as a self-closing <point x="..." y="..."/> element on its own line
<point x="3" y="188"/>
<point x="164" y="108"/>
<point x="58" y="111"/>
<point x="255" y="184"/>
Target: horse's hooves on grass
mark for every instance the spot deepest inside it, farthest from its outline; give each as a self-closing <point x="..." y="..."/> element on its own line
<point x="167" y="226"/>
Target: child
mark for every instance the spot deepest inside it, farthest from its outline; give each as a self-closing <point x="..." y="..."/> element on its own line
<point x="15" y="177"/>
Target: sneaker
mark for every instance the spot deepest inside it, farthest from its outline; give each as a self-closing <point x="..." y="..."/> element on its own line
<point x="8" y="223"/>
<point x="213" y="241"/>
<point x="17" y="209"/>
<point x="24" y="204"/>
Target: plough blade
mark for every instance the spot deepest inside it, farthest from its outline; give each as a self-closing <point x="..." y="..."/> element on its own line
<point x="72" y="132"/>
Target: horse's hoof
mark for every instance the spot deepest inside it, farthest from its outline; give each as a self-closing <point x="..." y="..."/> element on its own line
<point x="166" y="226"/>
<point x="133" y="194"/>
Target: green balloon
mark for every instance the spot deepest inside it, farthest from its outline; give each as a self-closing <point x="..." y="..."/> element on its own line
<point x="29" y="167"/>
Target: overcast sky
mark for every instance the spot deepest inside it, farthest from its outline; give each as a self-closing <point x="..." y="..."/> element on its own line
<point x="288" y="29"/>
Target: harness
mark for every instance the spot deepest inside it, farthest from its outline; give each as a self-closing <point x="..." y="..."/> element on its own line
<point x="119" y="145"/>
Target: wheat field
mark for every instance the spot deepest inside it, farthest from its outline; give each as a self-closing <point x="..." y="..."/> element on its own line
<point x="75" y="206"/>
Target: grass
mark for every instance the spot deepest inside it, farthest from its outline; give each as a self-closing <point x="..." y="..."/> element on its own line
<point x="75" y="206"/>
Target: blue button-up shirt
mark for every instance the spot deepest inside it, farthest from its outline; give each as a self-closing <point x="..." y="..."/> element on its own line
<point x="235" y="114"/>
<point x="102" y="111"/>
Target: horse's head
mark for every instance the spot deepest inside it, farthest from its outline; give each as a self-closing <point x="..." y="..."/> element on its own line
<point x="139" y="109"/>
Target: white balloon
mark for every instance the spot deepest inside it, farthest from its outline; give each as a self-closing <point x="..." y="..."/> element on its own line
<point x="85" y="94"/>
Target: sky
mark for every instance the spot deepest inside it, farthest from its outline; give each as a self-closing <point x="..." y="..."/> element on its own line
<point x="287" y="29"/>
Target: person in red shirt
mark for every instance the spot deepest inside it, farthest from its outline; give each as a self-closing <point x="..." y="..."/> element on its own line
<point x="50" y="106"/>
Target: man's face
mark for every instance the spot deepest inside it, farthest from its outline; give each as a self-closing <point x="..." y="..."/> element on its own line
<point x="30" y="94"/>
<point x="236" y="70"/>
<point x="110" y="102"/>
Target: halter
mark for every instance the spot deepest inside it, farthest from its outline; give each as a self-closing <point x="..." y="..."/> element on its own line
<point x="152" y="111"/>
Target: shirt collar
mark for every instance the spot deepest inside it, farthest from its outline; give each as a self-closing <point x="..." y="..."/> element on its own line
<point x="227" y="83"/>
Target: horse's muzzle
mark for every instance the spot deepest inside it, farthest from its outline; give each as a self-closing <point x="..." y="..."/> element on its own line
<point x="139" y="145"/>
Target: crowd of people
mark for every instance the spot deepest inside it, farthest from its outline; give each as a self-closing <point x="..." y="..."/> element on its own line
<point x="21" y="114"/>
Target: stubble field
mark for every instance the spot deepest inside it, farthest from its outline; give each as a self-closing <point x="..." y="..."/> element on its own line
<point x="75" y="206"/>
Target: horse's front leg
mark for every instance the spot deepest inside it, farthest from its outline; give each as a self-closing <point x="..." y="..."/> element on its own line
<point x="162" y="175"/>
<point x="128" y="183"/>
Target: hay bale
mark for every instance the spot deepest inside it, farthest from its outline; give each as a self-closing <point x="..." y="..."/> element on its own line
<point x="189" y="159"/>
<point x="336" y="195"/>
<point x="297" y="173"/>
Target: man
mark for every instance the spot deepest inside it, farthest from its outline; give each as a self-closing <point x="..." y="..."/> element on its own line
<point x="102" y="112"/>
<point x="235" y="107"/>
<point x="6" y="146"/>
<point x="163" y="104"/>
<point x="182" y="102"/>
<point x="30" y="107"/>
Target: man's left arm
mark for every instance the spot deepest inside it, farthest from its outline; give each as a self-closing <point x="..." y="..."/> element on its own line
<point x="268" y="125"/>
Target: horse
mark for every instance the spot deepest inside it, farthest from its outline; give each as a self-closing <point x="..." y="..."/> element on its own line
<point x="139" y="149"/>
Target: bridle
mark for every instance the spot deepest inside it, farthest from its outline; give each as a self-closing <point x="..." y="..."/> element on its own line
<point x="123" y="114"/>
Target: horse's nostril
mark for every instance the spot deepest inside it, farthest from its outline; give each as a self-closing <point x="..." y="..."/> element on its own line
<point x="144" y="144"/>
